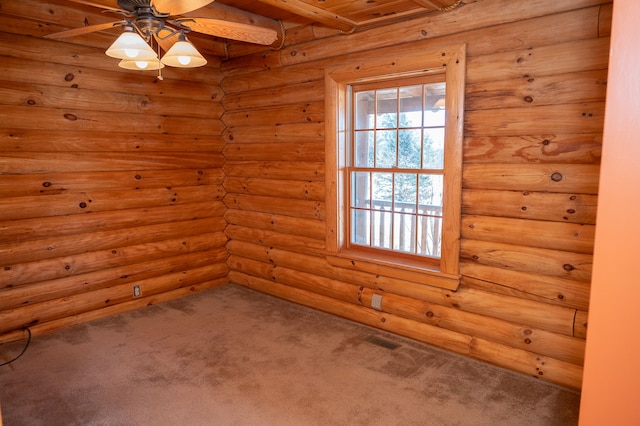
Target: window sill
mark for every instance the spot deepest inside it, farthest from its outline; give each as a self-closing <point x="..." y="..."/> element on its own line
<point x="395" y="269"/>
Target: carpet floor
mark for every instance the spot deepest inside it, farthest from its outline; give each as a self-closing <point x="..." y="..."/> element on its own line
<point x="234" y="356"/>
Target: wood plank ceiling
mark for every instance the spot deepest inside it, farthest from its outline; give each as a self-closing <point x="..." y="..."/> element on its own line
<point x="337" y="16"/>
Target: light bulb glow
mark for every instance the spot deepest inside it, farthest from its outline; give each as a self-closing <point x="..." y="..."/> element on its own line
<point x="142" y="64"/>
<point x="130" y="45"/>
<point x="184" y="60"/>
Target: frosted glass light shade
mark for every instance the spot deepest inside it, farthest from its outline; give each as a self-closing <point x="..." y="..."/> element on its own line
<point x="183" y="55"/>
<point x="131" y="46"/>
<point x="141" y="65"/>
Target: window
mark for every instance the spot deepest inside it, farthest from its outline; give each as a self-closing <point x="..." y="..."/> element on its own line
<point x="394" y="163"/>
<point x="395" y="166"/>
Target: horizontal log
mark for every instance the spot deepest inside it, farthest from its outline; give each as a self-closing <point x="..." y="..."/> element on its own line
<point x="48" y="327"/>
<point x="558" y="346"/>
<point x="305" y="151"/>
<point x="445" y="339"/>
<point x="100" y="201"/>
<point x="47" y="248"/>
<point x="531" y="233"/>
<point x="247" y="80"/>
<point x="534" y="365"/>
<point x="71" y="305"/>
<point x="565" y="118"/>
<point x="297" y="243"/>
<point x="296" y="132"/>
<point x="25" y="162"/>
<point x="527" y="149"/>
<point x="312" y="91"/>
<point x="57" y="226"/>
<point x="564" y="178"/>
<point x="306" y="209"/>
<point x="34" y="117"/>
<point x="278" y="223"/>
<point x="34" y="140"/>
<point x="526" y="285"/>
<point x="15" y="93"/>
<point x="555" y="263"/>
<point x="303" y="112"/>
<point x="558" y="58"/>
<point x="30" y="184"/>
<point x="277" y="188"/>
<point x="307" y="171"/>
<point x="126" y="274"/>
<point x="570" y="208"/>
<point x="576" y="87"/>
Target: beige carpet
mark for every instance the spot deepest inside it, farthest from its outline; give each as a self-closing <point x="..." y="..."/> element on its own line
<point x="232" y="356"/>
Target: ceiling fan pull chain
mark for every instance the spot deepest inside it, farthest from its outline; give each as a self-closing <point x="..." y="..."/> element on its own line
<point x="160" y="77"/>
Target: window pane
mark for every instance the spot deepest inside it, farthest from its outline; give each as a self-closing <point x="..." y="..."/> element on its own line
<point x="405" y="187"/>
<point x="363" y="116"/>
<point x="387" y="108"/>
<point x="382" y="226"/>
<point x="363" y="155"/>
<point x="410" y="106"/>
<point x="430" y="194"/>
<point x="360" y="189"/>
<point x="429" y="236"/>
<point x="386" y="148"/>
<point x="404" y="232"/>
<point x="382" y="190"/>
<point x="409" y="149"/>
<point x="434" y="104"/>
<point x="360" y="227"/>
<point x="433" y="149"/>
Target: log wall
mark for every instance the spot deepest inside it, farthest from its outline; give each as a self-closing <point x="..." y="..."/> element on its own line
<point x="535" y="91"/>
<point x="109" y="179"/>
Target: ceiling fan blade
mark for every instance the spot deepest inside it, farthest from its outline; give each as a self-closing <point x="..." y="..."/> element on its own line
<point x="83" y="30"/>
<point x="232" y="30"/>
<point x="178" y="7"/>
<point x="101" y="4"/>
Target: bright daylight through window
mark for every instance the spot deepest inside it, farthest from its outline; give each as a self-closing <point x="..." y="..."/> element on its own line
<point x="396" y="166"/>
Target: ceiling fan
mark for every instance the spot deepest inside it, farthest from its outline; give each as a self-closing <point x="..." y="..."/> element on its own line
<point x="159" y="20"/>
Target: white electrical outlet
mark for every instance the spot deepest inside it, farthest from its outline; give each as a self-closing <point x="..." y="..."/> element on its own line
<point x="376" y="302"/>
<point x="136" y="291"/>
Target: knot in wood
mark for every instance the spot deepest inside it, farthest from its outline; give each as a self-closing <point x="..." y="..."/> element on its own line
<point x="556" y="176"/>
<point x="568" y="267"/>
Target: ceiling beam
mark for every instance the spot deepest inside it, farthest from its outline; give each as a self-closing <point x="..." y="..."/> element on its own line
<point x="437" y="4"/>
<point x="316" y="14"/>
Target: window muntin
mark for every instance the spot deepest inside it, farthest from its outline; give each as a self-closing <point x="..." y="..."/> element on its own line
<point x="396" y="166"/>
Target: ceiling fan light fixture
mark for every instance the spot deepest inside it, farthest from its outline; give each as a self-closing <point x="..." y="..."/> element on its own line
<point x="141" y="65"/>
<point x="130" y="45"/>
<point x="183" y="55"/>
